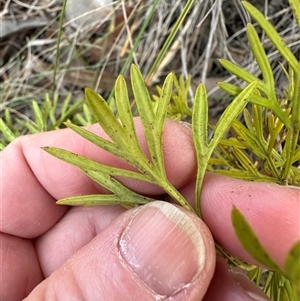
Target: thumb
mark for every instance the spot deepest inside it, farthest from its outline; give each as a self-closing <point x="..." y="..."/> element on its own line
<point x="152" y="252"/>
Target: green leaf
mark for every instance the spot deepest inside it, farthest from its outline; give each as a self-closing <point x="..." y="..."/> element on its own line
<point x="259" y="100"/>
<point x="69" y="111"/>
<point x="100" y="199"/>
<point x="258" y="124"/>
<point x="164" y="100"/>
<point x="245" y="162"/>
<point x="231" y="113"/>
<point x="124" y="142"/>
<point x="130" y="143"/>
<point x="52" y="104"/>
<point x="160" y="116"/>
<point x="273" y="35"/>
<point x="262" y="60"/>
<point x="243" y="74"/>
<point x="65" y="105"/>
<point x="97" y="140"/>
<point x="29" y="125"/>
<point x="176" y="27"/>
<point x="292" y="263"/>
<point x="91" y="200"/>
<point x="249" y="121"/>
<point x="245" y="175"/>
<point x="110" y="124"/>
<point x="250" y="141"/>
<point x="200" y="138"/>
<point x="121" y="194"/>
<point x="152" y="130"/>
<point x="204" y="149"/>
<point x="117" y="188"/>
<point x="6" y="131"/>
<point x="292" y="139"/>
<point x="124" y="109"/>
<point x="7" y="118"/>
<point x="296" y="8"/>
<point x="122" y="151"/>
<point x="200" y="119"/>
<point x="90" y="165"/>
<point x="250" y="242"/>
<point x="39" y="120"/>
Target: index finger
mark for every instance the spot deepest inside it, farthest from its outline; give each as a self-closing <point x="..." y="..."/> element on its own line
<point x="32" y="180"/>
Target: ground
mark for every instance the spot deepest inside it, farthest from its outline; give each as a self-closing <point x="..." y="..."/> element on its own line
<point x="34" y="63"/>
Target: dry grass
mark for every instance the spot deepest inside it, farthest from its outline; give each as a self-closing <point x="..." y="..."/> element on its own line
<point x="94" y="57"/>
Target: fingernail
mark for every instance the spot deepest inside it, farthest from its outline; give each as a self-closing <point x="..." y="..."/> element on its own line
<point x="163" y="247"/>
<point x="249" y="287"/>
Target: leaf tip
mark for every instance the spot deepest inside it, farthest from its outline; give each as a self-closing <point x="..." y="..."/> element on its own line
<point x="46" y="148"/>
<point x="64" y="202"/>
<point x="89" y="93"/>
<point x="234" y="211"/>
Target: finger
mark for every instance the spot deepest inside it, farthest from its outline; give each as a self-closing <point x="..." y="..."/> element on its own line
<point x="28" y="262"/>
<point x="157" y="251"/>
<point x="272" y="211"/>
<point x="20" y="270"/>
<point x="33" y="180"/>
<point x="78" y="227"/>
<point x="28" y="209"/>
<point x="234" y="286"/>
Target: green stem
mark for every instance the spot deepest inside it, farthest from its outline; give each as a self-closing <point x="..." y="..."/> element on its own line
<point x="170" y="39"/>
<point x="200" y="177"/>
<point x="271" y="163"/>
<point x="176" y="195"/>
<point x="147" y="168"/>
<point x="293" y="134"/>
<point x="61" y="21"/>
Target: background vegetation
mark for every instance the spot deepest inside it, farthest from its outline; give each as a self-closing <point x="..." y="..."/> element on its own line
<point x="35" y="63"/>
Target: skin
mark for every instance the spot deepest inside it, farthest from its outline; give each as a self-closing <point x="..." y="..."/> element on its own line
<point x="51" y="252"/>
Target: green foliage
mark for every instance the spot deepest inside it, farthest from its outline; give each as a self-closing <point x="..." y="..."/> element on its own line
<point x="178" y="108"/>
<point x="264" y="147"/>
<point x="250" y="242"/>
<point x="282" y="283"/>
<point x="50" y="116"/>
<point x="205" y="148"/>
<point x="125" y="144"/>
<point x="292" y="267"/>
<point x="170" y="38"/>
<point x="271" y="131"/>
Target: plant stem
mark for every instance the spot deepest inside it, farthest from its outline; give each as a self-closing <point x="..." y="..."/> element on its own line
<point x="170" y="39"/>
<point x="59" y="34"/>
<point x="293" y="134"/>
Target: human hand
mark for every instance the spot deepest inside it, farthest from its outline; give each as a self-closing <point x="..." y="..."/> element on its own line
<point x="108" y="253"/>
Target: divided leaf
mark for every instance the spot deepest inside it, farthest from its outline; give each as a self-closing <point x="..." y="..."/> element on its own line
<point x="203" y="147"/>
<point x="153" y="122"/>
<point x="125" y="144"/>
